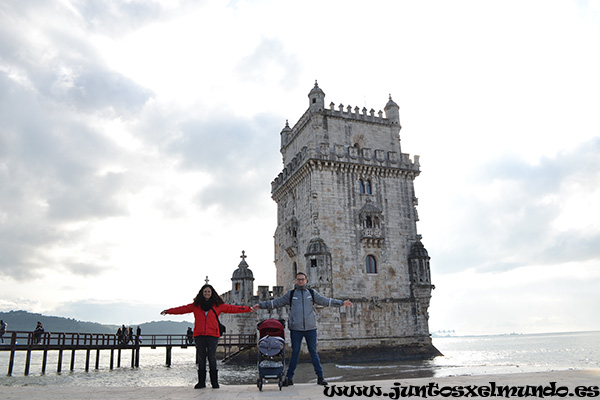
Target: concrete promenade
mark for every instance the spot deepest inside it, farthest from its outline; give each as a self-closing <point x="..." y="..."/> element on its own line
<point x="569" y="379"/>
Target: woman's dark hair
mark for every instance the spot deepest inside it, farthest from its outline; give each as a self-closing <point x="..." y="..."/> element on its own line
<point x="214" y="296"/>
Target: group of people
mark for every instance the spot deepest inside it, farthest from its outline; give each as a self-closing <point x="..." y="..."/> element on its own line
<point x="126" y="335"/>
<point x="207" y="306"/>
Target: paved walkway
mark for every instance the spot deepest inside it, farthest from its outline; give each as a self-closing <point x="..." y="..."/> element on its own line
<point x="569" y="379"/>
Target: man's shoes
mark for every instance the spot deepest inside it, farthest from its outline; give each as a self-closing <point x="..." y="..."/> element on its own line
<point x="288" y="382"/>
<point x="321" y="381"/>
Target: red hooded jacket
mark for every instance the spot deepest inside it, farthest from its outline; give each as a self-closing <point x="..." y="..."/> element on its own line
<point x="205" y="323"/>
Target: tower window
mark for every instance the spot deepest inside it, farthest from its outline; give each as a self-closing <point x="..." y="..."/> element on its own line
<point x="313" y="263"/>
<point x="365" y="187"/>
<point x="237" y="286"/>
<point x="371" y="264"/>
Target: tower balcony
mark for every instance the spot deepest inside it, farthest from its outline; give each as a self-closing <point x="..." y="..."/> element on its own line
<point x="371" y="233"/>
<point x="373" y="237"/>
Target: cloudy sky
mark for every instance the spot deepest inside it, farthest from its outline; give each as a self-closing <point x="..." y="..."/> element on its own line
<point x="138" y="141"/>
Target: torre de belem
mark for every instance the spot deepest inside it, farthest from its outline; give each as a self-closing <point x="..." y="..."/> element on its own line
<point x="347" y="217"/>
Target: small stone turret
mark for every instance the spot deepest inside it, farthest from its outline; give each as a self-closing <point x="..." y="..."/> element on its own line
<point x="316" y="99"/>
<point x="392" y="111"/>
<point x="285" y="134"/>
<point x="318" y="266"/>
<point x="242" y="283"/>
<point x="418" y="261"/>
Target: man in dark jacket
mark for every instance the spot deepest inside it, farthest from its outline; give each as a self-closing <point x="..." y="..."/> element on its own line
<point x="303" y="322"/>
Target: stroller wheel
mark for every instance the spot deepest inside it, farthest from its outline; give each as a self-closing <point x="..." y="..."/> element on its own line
<point x="259" y="383"/>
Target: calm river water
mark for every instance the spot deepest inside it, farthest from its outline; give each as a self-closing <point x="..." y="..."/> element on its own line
<point x="469" y="355"/>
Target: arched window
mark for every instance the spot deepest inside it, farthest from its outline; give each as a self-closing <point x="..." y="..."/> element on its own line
<point x="371" y="265"/>
<point x="295" y="268"/>
<point x="237" y="286"/>
<point x="361" y="186"/>
<point x="368" y="189"/>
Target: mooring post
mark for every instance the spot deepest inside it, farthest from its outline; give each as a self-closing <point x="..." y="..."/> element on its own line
<point x="30" y="340"/>
<point x="27" y="362"/>
<point x="61" y="342"/>
<point x="72" y="359"/>
<point x="44" y="359"/>
<point x="169" y="356"/>
<point x="87" y="359"/>
<point x="119" y="358"/>
<point x="137" y="351"/>
<point x="97" y="358"/>
<point x="112" y="358"/>
<point x="13" y="347"/>
<point x="59" y="361"/>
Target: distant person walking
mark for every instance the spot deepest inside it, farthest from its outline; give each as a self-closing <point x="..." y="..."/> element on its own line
<point x="206" y="307"/>
<point x="303" y="322"/>
<point x="125" y="332"/>
<point x="3" y="326"/>
<point x="38" y="332"/>
<point x="130" y="335"/>
<point x="190" y="336"/>
<point x="138" y="335"/>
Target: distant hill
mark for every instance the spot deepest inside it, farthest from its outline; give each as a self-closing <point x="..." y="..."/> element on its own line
<point x="165" y="327"/>
<point x="26" y="321"/>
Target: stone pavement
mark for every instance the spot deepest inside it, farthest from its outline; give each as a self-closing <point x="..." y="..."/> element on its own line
<point x="569" y="379"/>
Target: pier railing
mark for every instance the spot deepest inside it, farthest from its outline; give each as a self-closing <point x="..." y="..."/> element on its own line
<point x="28" y="342"/>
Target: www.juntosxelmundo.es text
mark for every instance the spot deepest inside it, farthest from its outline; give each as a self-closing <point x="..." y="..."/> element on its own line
<point x="434" y="390"/>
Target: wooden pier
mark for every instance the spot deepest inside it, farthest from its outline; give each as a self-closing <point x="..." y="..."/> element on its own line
<point x="15" y="341"/>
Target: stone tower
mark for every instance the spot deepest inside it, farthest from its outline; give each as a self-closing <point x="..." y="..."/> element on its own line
<point x="346" y="216"/>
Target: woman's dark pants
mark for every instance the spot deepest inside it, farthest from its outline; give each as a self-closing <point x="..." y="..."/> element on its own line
<point x="206" y="347"/>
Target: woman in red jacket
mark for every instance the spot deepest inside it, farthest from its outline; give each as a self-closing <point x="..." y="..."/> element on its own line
<point x="206" y="307"/>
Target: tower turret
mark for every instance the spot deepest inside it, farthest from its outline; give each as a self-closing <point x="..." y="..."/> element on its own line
<point x="285" y="134"/>
<point x="392" y="111"/>
<point x="242" y="282"/>
<point x="316" y="99"/>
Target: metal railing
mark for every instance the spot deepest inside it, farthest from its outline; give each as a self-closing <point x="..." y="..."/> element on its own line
<point x="15" y="341"/>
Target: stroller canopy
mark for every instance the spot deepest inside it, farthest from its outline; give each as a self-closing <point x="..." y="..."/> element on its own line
<point x="271" y="327"/>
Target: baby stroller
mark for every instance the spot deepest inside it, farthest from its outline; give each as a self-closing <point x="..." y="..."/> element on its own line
<point x="271" y="351"/>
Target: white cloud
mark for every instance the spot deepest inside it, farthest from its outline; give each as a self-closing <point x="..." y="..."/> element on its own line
<point x="138" y="141"/>
<point x="530" y="299"/>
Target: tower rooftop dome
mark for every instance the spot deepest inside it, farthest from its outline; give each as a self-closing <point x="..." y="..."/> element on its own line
<point x="242" y="272"/>
<point x="418" y="250"/>
<point x="391" y="103"/>
<point x="316" y="90"/>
